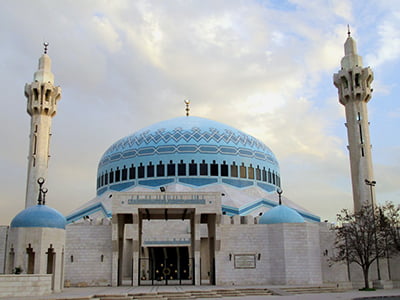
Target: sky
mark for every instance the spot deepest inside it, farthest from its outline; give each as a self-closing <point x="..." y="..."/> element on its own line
<point x="264" y="67"/>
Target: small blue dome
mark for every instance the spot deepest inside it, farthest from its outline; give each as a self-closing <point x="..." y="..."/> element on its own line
<point x="39" y="216"/>
<point x="281" y="214"/>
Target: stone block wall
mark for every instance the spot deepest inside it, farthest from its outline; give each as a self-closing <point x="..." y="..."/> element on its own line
<point x="25" y="285"/>
<point x="241" y="239"/>
<point x="88" y="254"/>
<point x="283" y="254"/>
<point x="3" y="247"/>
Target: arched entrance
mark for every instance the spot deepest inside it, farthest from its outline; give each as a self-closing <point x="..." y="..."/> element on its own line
<point x="135" y="263"/>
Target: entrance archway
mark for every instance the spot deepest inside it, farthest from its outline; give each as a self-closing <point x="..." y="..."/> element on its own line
<point x="138" y="262"/>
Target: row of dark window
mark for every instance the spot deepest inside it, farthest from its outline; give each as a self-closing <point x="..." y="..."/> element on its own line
<point x="193" y="169"/>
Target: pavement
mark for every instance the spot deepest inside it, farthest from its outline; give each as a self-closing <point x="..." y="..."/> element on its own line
<point x="203" y="291"/>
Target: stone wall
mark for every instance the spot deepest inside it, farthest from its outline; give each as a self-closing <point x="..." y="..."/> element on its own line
<point x="3" y="246"/>
<point x="283" y="254"/>
<point x="33" y="285"/>
<point x="236" y="241"/>
<point x="88" y="254"/>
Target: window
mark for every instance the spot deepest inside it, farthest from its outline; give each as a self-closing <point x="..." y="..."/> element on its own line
<point x="141" y="171"/>
<point x="111" y="176"/>
<point x="242" y="171"/>
<point x="214" y="169"/>
<point x="234" y="170"/>
<point x="269" y="176"/>
<point x="258" y="173"/>
<point x="117" y="175"/>
<point x="150" y="170"/>
<point x="181" y="169"/>
<point x="124" y="173"/>
<point x="171" y="168"/>
<point x="251" y="172"/>
<point x="132" y="171"/>
<point x="106" y="178"/>
<point x="357" y="79"/>
<point x="203" y="168"/>
<point x="192" y="168"/>
<point x="160" y="169"/>
<point x="224" y="169"/>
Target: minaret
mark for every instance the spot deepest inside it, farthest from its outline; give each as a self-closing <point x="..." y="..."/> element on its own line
<point x="354" y="87"/>
<point x="42" y="98"/>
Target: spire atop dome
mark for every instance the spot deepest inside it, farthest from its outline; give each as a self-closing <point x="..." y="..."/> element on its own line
<point x="45" y="44"/>
<point x="348" y="30"/>
<point x="187" y="102"/>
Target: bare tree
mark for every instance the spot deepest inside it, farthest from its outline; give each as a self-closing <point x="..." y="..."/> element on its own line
<point x="362" y="238"/>
<point x="390" y="220"/>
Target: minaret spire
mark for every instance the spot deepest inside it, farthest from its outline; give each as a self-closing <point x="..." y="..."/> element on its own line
<point x="42" y="97"/>
<point x="354" y="88"/>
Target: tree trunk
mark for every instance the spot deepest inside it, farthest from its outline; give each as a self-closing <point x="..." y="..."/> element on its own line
<point x="365" y="273"/>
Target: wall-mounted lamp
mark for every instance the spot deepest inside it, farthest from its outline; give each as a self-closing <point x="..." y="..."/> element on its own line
<point x="230" y="256"/>
<point x="162" y="189"/>
<point x="259" y="256"/>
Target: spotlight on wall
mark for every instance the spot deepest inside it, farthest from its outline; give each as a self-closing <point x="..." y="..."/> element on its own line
<point x="230" y="256"/>
<point x="162" y="189"/>
<point x="224" y="212"/>
<point x="259" y="256"/>
<point x="260" y="214"/>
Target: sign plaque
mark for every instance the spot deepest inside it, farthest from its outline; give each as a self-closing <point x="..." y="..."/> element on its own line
<point x="245" y="261"/>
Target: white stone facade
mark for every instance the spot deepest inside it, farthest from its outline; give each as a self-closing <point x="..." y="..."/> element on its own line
<point x="88" y="254"/>
<point x="25" y="285"/>
<point x="37" y="250"/>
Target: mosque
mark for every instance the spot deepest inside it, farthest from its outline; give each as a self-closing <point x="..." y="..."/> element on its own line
<point x="185" y="201"/>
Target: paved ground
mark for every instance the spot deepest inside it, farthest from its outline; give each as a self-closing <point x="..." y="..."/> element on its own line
<point x="71" y="293"/>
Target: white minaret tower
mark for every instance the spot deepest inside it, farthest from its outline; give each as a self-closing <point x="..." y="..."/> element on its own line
<point x="354" y="87"/>
<point x="42" y="101"/>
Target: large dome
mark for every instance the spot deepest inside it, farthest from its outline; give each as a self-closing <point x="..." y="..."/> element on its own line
<point x="190" y="154"/>
<point x="191" y="151"/>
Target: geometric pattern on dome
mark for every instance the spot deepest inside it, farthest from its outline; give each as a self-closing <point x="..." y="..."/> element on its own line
<point x="172" y="149"/>
<point x="196" y="134"/>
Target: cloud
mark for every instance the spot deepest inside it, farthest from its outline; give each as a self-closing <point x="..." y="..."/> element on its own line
<point x="265" y="69"/>
<point x="389" y="41"/>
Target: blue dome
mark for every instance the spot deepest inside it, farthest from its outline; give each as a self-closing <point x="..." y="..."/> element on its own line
<point x="39" y="216"/>
<point x="281" y="214"/>
<point x="190" y="150"/>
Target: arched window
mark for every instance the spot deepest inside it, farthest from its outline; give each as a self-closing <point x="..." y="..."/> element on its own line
<point x="250" y="172"/>
<point x="224" y="169"/>
<point x="106" y="178"/>
<point x="132" y="172"/>
<point x="234" y="170"/>
<point x="214" y="169"/>
<point x="141" y="171"/>
<point x="203" y="168"/>
<point x="181" y="169"/>
<point x="117" y="175"/>
<point x="171" y="168"/>
<point x="258" y="173"/>
<point x="243" y="171"/>
<point x="124" y="173"/>
<point x="192" y="168"/>
<point x="150" y="170"/>
<point x="160" y="169"/>
<point x="111" y="176"/>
